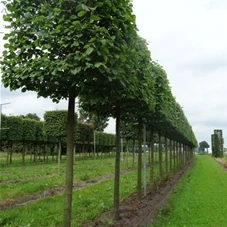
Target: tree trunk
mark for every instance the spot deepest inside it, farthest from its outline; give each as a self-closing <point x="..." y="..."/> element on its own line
<point x="69" y="160"/>
<point x="160" y="156"/>
<point x="117" y="165"/>
<point x="11" y="154"/>
<point x="59" y="155"/>
<point x="127" y="153"/>
<point x="8" y="151"/>
<point x="133" y="154"/>
<point x="23" y="153"/>
<point x="174" y="155"/>
<point x="152" y="158"/>
<point x="166" y="154"/>
<point x="34" y="149"/>
<point x="139" y="172"/>
<point x="170" y="156"/>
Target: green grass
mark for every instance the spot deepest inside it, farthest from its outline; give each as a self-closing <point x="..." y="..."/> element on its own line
<point x="39" y="178"/>
<point x="88" y="203"/>
<point x="82" y="171"/>
<point x="199" y="199"/>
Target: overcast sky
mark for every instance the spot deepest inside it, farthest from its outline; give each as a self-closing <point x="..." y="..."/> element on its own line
<point x="189" y="39"/>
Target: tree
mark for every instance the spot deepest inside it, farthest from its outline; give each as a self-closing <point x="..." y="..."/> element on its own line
<point x="56" y="48"/>
<point x="99" y="122"/>
<point x="203" y="145"/>
<point x="32" y="116"/>
<point x="55" y="128"/>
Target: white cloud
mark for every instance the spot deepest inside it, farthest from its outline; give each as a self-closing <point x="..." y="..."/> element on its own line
<point x="188" y="38"/>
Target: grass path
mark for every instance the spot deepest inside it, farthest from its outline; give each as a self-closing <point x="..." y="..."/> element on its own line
<point x="200" y="198"/>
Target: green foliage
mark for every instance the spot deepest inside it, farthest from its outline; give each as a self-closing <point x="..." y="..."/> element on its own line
<point x="105" y="139"/>
<point x="32" y="116"/>
<point x="15" y="130"/>
<point x="99" y="123"/>
<point x="40" y="135"/>
<point x="84" y="132"/>
<point x="56" y="123"/>
<point x="53" y="46"/>
<point x="4" y="129"/>
<point x="21" y="129"/>
<point x="203" y="145"/>
<point x="29" y="130"/>
<point x="216" y="151"/>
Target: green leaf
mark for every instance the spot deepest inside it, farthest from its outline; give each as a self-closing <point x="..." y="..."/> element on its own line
<point x="76" y="70"/>
<point x="100" y="4"/>
<point x="85" y="7"/>
<point x="89" y="50"/>
<point x="76" y="22"/>
<point x="98" y="64"/>
<point x="94" y="17"/>
<point x="81" y="13"/>
<point x="92" y="40"/>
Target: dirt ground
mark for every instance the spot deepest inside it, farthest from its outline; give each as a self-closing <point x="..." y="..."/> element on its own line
<point x="136" y="213"/>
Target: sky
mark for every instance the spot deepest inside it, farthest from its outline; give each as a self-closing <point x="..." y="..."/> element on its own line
<point x="189" y="39"/>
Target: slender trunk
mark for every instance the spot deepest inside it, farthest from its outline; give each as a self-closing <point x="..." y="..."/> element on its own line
<point x="23" y="153"/>
<point x="177" y="155"/>
<point x="11" y="154"/>
<point x="52" y="152"/>
<point x="139" y="172"/>
<point x="174" y="155"/>
<point x="59" y="155"/>
<point x="170" y="156"/>
<point x="127" y="153"/>
<point x="30" y="154"/>
<point x="83" y="153"/>
<point x="152" y="158"/>
<point x="166" y="154"/>
<point x="160" y="156"/>
<point x="34" y="149"/>
<point x="133" y="154"/>
<point x="8" y="151"/>
<point x="144" y="160"/>
<point x="39" y="152"/>
<point x="69" y="160"/>
<point x="117" y="165"/>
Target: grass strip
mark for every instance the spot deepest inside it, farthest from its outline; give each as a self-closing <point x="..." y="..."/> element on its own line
<point x="199" y="199"/>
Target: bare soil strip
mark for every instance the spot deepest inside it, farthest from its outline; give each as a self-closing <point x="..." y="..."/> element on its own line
<point x="222" y="162"/>
<point x="25" y="199"/>
<point x="136" y="213"/>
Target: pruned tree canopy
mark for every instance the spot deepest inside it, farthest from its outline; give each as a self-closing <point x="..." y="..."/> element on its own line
<point x="204" y="145"/>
